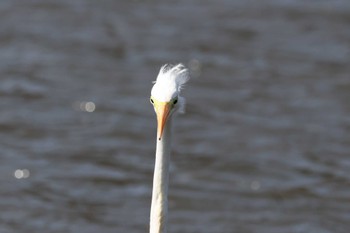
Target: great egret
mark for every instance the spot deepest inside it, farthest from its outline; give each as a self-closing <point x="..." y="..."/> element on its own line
<point x="166" y="100"/>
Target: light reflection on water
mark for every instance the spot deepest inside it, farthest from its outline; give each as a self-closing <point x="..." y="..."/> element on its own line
<point x="84" y="106"/>
<point x="263" y="146"/>
<point x="21" y="174"/>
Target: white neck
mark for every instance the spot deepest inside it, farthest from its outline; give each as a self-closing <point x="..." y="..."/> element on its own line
<point x="159" y="207"/>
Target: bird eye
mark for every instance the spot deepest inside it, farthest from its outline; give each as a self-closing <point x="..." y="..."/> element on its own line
<point x="151" y="100"/>
<point x="175" y="101"/>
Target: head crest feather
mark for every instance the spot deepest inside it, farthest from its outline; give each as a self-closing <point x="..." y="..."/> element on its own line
<point x="170" y="81"/>
<point x="175" y="74"/>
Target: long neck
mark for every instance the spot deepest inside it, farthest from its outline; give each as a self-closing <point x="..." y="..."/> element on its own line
<point x="159" y="207"/>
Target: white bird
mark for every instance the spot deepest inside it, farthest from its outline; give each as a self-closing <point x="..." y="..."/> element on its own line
<point x="166" y="100"/>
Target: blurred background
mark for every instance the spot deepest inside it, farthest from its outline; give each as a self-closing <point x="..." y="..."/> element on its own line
<point x="264" y="146"/>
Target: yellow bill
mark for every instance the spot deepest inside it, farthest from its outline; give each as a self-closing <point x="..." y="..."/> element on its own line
<point x="163" y="111"/>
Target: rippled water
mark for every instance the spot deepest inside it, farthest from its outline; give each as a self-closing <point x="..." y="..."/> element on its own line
<point x="264" y="145"/>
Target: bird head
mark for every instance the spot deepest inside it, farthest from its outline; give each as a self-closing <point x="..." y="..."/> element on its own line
<point x="165" y="94"/>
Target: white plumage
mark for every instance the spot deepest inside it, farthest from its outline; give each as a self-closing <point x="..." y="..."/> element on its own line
<point x="170" y="80"/>
<point x="166" y="100"/>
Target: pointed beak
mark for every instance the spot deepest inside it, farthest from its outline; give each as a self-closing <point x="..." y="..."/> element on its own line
<point x="163" y="111"/>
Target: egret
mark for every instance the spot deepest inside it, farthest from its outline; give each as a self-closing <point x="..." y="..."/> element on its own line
<point x="166" y="100"/>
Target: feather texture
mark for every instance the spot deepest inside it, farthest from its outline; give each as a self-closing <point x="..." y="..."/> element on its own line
<point x="170" y="81"/>
<point x="177" y="74"/>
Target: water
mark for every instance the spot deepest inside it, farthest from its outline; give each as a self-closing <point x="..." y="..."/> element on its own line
<point x="264" y="145"/>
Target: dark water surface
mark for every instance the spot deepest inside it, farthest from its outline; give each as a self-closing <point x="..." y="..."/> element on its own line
<point x="264" y="146"/>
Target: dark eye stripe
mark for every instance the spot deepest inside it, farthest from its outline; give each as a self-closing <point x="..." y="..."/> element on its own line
<point x="175" y="101"/>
